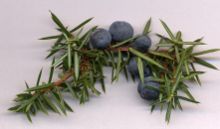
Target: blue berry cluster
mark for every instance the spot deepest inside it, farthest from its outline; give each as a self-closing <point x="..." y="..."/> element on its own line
<point x="120" y="31"/>
<point x="145" y="93"/>
<point x="101" y="39"/>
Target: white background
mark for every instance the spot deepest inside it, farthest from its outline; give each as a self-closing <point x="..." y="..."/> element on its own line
<point x="22" y="22"/>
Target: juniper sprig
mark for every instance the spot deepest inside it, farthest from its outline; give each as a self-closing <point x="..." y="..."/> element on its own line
<point x="172" y="63"/>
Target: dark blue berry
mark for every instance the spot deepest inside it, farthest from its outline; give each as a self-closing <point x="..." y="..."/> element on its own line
<point x="148" y="94"/>
<point x="121" y="30"/>
<point x="142" y="43"/>
<point x="133" y="68"/>
<point x="100" y="39"/>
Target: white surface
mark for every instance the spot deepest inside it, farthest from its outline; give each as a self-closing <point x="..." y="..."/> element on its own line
<point x="22" y="55"/>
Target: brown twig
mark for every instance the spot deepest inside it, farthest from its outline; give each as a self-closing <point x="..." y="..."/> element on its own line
<point x="58" y="83"/>
<point x="64" y="78"/>
<point x="123" y="49"/>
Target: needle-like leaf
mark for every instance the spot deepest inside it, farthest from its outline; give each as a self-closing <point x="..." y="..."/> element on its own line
<point x="123" y="42"/>
<point x="51" y="71"/>
<point x="69" y="55"/>
<point x="167" y="30"/>
<point x="140" y="69"/>
<point x="81" y="24"/>
<point x="76" y="65"/>
<point x="39" y="77"/>
<point x="147" y="27"/>
<point x="50" y="104"/>
<point x="165" y="55"/>
<point x="187" y="99"/>
<point x="168" y="112"/>
<point x="61" y="26"/>
<point x="50" y="37"/>
<point x="205" y="52"/>
<point x="145" y="57"/>
<point x="40" y="87"/>
<point x="204" y="63"/>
